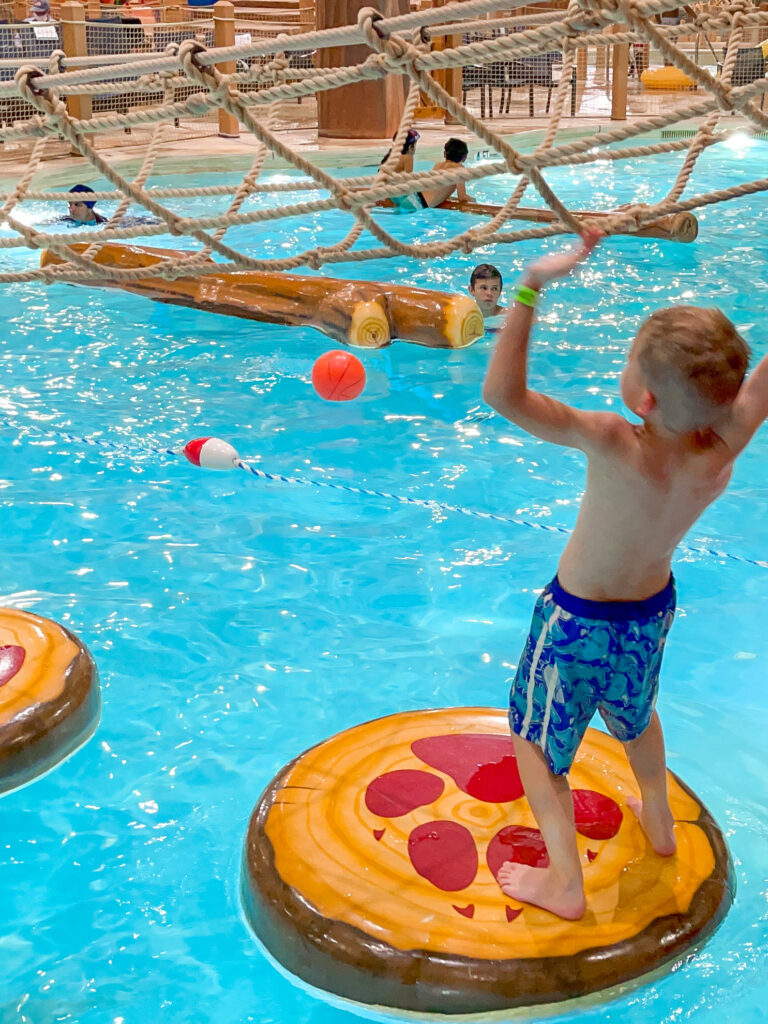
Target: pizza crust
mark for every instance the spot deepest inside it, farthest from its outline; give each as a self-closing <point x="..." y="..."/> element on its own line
<point x="49" y="696"/>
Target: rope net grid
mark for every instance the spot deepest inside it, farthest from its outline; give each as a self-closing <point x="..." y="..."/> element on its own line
<point x="185" y="79"/>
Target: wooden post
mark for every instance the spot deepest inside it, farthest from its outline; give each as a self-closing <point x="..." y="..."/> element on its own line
<point x="224" y="35"/>
<point x="601" y="63"/>
<point x="581" y="64"/>
<point x="452" y="84"/>
<point x="307" y="15"/>
<point x="620" y="71"/>
<point x="19" y="10"/>
<point x="73" y="43"/>
<point x="365" y="110"/>
<point x="448" y="78"/>
<point x="170" y="12"/>
<point x="426" y="107"/>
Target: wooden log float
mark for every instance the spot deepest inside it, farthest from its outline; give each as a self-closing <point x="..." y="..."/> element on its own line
<point x="677" y="227"/>
<point x="361" y="313"/>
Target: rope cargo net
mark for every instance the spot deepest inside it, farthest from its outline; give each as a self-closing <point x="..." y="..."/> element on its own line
<point x="184" y="80"/>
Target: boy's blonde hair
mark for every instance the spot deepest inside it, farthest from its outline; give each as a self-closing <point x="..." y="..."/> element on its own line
<point x="694" y="362"/>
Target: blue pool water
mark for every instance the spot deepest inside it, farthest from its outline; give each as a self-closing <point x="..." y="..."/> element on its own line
<point x="236" y="622"/>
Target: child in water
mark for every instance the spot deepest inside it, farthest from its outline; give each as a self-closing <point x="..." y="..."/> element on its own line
<point x="455" y="152"/>
<point x="485" y="286"/>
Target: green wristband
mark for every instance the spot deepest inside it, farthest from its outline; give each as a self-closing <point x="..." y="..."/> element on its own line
<point x="528" y="296"/>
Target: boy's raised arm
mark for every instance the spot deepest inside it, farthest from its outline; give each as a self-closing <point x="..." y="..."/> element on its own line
<point x="749" y="410"/>
<point x="506" y="382"/>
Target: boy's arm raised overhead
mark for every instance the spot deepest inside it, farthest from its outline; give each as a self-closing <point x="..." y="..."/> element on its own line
<point x="506" y="382"/>
<point x="749" y="410"/>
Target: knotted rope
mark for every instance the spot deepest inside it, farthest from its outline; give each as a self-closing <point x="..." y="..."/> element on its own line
<point x="400" y="46"/>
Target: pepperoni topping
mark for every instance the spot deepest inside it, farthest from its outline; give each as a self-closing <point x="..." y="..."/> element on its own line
<point x="444" y="853"/>
<point x="396" y="793"/>
<point x="517" y="844"/>
<point x="483" y="766"/>
<point x="597" y="816"/>
<point x="11" y="660"/>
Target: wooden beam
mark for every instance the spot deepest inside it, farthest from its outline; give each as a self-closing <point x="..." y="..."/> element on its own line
<point x="224" y="35"/>
<point x="74" y="44"/>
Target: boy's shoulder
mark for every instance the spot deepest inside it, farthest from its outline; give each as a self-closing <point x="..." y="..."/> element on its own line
<point x="614" y="426"/>
<point x="607" y="433"/>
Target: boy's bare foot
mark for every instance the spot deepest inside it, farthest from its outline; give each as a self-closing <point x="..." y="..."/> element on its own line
<point x="540" y="887"/>
<point x="658" y="826"/>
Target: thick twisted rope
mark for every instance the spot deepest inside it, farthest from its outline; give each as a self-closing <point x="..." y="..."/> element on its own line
<point x="398" y="45"/>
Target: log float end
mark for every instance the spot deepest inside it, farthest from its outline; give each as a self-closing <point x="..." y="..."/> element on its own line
<point x="369" y="326"/>
<point x="684" y="227"/>
<point x="463" y="322"/>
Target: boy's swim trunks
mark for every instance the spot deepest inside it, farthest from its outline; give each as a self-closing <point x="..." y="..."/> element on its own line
<point x="411" y="202"/>
<point x="586" y="656"/>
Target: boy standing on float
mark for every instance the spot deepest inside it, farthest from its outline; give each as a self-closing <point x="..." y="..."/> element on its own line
<point x="599" y="627"/>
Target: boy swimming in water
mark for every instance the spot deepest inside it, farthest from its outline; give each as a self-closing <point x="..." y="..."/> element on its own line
<point x="599" y="627"/>
<point x="485" y="286"/>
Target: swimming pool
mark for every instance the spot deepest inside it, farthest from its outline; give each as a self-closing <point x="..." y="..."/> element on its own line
<point x="237" y="622"/>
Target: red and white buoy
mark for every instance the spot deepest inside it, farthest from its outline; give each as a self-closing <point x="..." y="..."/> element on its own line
<point x="211" y="453"/>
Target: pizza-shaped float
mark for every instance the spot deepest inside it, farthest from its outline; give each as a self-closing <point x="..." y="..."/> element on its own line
<point x="370" y="870"/>
<point x="49" y="696"/>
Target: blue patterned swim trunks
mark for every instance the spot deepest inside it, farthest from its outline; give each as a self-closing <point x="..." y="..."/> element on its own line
<point x="586" y="656"/>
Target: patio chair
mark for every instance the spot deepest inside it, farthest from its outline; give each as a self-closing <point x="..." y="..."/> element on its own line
<point x="528" y="72"/>
<point x="477" y="76"/>
<point x="749" y="67"/>
<point x="114" y="35"/>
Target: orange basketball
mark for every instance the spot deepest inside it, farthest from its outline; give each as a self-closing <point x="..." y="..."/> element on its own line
<point x="338" y="376"/>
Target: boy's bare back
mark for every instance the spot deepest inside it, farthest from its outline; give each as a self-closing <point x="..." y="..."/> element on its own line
<point x="643" y="493"/>
<point x="455" y="152"/>
<point x="646" y="484"/>
<point x="437" y="195"/>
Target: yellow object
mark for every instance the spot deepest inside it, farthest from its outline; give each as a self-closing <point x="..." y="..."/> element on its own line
<point x="666" y="78"/>
<point x="462" y="321"/>
<point x="389" y="837"/>
<point x="369" y="327"/>
<point x="651" y="886"/>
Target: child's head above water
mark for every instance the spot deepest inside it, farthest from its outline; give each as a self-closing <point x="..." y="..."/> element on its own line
<point x="485" y="286"/>
<point x="685" y="368"/>
<point x="455" y="150"/>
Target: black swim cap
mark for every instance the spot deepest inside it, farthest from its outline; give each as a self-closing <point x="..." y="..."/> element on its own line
<point x="90" y="203"/>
